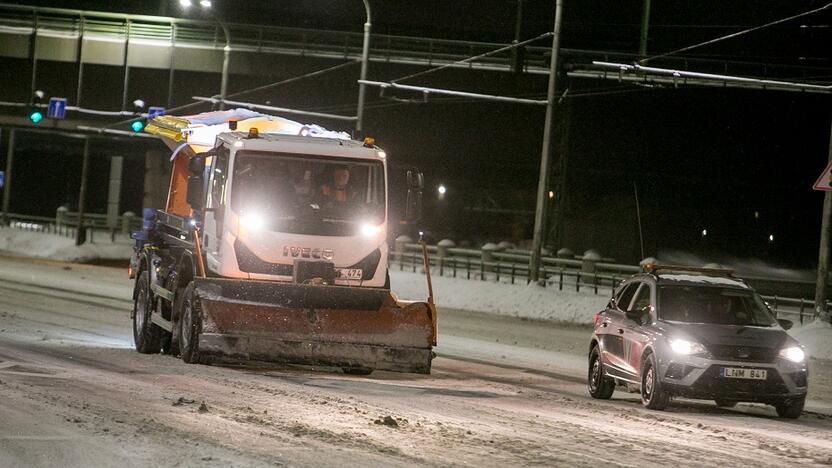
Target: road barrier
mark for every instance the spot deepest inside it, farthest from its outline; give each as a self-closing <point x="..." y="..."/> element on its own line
<point x="65" y="224"/>
<point x="589" y="272"/>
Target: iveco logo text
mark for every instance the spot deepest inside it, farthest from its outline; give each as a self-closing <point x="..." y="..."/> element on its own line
<point x="306" y="252"/>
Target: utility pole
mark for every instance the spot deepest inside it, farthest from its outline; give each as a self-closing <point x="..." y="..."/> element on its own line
<point x="365" y="56"/>
<point x="645" y="26"/>
<point x="821" y="311"/>
<point x="546" y="152"/>
<point x="80" y="233"/>
<point x="7" y="184"/>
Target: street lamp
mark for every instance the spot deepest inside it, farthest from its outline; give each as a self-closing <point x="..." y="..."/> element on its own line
<point x="226" y="51"/>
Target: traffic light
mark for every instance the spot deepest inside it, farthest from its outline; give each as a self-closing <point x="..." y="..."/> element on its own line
<point x="35" y="114"/>
<point x="137" y="125"/>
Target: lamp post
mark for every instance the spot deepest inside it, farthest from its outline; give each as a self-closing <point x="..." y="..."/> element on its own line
<point x="226" y="51"/>
<point x="365" y="53"/>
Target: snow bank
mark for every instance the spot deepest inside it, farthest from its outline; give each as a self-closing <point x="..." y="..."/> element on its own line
<point x="55" y="247"/>
<point x="816" y="337"/>
<point x="516" y="300"/>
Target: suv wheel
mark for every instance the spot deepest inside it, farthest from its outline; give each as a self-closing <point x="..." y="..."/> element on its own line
<point x="652" y="395"/>
<point x="600" y="386"/>
<point x="791" y="408"/>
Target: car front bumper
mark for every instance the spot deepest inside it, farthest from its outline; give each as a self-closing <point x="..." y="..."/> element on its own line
<point x="699" y="378"/>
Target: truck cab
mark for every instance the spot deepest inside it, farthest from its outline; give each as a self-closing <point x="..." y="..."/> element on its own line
<point x="294" y="209"/>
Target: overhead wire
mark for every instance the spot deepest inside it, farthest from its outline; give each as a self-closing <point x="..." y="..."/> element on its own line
<point x="255" y="89"/>
<point x="737" y="34"/>
<point x="473" y="58"/>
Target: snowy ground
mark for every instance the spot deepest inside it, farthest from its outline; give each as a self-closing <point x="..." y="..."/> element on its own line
<point x="504" y="391"/>
<point x="55" y="247"/>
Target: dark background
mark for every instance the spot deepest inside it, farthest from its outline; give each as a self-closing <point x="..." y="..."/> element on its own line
<point x="701" y="158"/>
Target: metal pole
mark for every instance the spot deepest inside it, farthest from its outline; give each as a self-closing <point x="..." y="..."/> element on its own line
<point x="80" y="233"/>
<point x="645" y="26"/>
<point x="33" y="53"/>
<point x="638" y="215"/>
<point x="365" y="53"/>
<point x="171" y="71"/>
<point x="7" y="185"/>
<point x="126" y="85"/>
<point x="823" y="254"/>
<point x="226" y="55"/>
<point x="546" y="152"/>
<point x="79" y="58"/>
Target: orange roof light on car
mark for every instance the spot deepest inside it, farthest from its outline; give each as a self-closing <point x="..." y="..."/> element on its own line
<point x="369" y="142"/>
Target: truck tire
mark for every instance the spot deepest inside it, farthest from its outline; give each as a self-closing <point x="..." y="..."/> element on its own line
<point x="190" y="327"/>
<point x="146" y="335"/>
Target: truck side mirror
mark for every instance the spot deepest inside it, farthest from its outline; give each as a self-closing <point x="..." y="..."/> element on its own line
<point x="413" y="207"/>
<point x="195" y="195"/>
<point x="196" y="165"/>
<point x="415" y="180"/>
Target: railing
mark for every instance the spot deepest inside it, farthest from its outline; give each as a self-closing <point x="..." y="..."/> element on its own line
<point x="566" y="274"/>
<point x="65" y="224"/>
<point x="68" y="23"/>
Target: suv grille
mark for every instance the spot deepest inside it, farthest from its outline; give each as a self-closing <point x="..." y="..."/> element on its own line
<point x="742" y="353"/>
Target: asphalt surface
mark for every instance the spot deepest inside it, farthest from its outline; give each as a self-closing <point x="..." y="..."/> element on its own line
<point x="502" y="392"/>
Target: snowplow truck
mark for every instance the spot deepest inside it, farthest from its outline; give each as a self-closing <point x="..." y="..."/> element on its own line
<point x="272" y="247"/>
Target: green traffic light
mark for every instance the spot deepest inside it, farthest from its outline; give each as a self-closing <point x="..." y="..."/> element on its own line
<point x="35" y="116"/>
<point x="137" y="125"/>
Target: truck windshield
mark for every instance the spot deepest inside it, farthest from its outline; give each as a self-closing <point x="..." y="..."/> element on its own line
<point x="304" y="194"/>
<point x="723" y="306"/>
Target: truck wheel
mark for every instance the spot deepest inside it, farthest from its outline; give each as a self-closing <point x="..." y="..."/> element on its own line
<point x="790" y="409"/>
<point x="652" y="395"/>
<point x="191" y="323"/>
<point x="146" y="335"/>
<point x="600" y="386"/>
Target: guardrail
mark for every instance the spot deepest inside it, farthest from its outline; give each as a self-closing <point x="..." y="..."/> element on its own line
<point x="589" y="273"/>
<point x="65" y="224"/>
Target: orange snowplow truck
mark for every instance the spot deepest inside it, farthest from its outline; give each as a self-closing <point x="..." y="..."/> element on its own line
<point x="272" y="247"/>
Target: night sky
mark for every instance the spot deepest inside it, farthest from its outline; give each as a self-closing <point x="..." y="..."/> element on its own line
<point x="738" y="163"/>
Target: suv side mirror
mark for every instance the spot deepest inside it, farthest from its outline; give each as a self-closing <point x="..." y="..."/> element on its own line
<point x="639" y="316"/>
<point x="786" y="324"/>
<point x="413" y="207"/>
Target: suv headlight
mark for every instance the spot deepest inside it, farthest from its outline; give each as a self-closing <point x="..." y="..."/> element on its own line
<point x="792" y="353"/>
<point x="686" y="347"/>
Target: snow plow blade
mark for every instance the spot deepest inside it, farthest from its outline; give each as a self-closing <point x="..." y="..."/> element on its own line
<point x="338" y="326"/>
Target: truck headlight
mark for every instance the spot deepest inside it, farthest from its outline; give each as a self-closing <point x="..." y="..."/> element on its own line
<point x="252" y="221"/>
<point x="686" y="347"/>
<point x="370" y="230"/>
<point x="792" y="353"/>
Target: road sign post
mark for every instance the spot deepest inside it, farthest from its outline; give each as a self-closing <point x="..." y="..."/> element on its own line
<point x="57" y="108"/>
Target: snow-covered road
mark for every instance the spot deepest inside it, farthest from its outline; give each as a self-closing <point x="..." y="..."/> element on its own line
<point x="503" y="392"/>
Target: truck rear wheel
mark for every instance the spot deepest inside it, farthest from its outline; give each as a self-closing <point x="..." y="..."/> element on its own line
<point x="190" y="326"/>
<point x="146" y="335"/>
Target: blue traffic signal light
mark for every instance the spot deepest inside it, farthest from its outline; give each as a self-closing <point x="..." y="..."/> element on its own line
<point x="35" y="116"/>
<point x="137" y="125"/>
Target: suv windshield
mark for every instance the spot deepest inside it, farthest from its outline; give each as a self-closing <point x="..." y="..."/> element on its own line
<point x="309" y="194"/>
<point x="723" y="306"/>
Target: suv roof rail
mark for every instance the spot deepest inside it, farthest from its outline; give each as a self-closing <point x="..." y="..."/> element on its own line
<point x="654" y="269"/>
